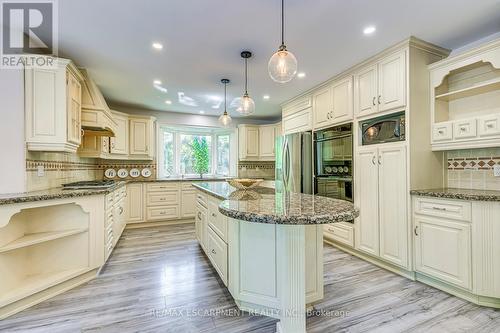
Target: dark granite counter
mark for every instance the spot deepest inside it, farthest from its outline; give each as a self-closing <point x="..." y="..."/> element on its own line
<point x="177" y="179"/>
<point x="55" y="193"/>
<point x="264" y="205"/>
<point x="459" y="194"/>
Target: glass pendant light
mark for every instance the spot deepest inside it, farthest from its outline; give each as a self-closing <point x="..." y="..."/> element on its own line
<point x="282" y="66"/>
<point x="247" y="105"/>
<point x="225" y="118"/>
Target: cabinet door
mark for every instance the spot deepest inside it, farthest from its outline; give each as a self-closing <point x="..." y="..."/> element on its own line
<point x="135" y="203"/>
<point x="188" y="204"/>
<point x="139" y="137"/>
<point x="266" y="142"/>
<point x="367" y="235"/>
<point x="322" y="107"/>
<point x="74" y="108"/>
<point x="366" y="91"/>
<point x="392" y="82"/>
<point x="120" y="143"/>
<point x="250" y="145"/>
<point x="393" y="194"/>
<point x="342" y="100"/>
<point x="443" y="250"/>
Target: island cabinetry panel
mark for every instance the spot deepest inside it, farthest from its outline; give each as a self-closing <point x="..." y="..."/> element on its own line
<point x="342" y="232"/>
<point x="201" y="223"/>
<point x="115" y="219"/>
<point x="188" y="201"/>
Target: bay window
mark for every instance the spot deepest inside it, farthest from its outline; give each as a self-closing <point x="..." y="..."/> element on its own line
<point x="184" y="151"/>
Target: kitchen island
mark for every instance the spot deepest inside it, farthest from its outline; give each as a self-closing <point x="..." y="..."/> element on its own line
<point x="267" y="246"/>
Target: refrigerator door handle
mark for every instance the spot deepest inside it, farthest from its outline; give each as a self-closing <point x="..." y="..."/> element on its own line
<point x="283" y="159"/>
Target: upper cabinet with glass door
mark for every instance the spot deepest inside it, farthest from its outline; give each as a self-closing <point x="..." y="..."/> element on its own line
<point x="381" y="86"/>
<point x="465" y="99"/>
<point x="53" y="100"/>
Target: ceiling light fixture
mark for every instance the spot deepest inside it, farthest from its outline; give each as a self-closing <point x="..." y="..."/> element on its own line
<point x="247" y="105"/>
<point x="282" y="66"/>
<point x="157" y="82"/>
<point x="202" y="112"/>
<point x="301" y="75"/>
<point x="157" y="46"/>
<point x="369" y="30"/>
<point x="266" y="97"/>
<point x="168" y="102"/>
<point x="225" y="118"/>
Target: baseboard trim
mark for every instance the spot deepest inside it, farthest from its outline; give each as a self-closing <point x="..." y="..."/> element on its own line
<point x="158" y="223"/>
<point x="380" y="263"/>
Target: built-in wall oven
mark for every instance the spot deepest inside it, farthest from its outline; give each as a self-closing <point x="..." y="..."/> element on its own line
<point x="333" y="162"/>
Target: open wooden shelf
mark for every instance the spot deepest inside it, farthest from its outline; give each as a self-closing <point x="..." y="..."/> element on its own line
<point x="481" y="88"/>
<point x="40" y="237"/>
<point x="39" y="282"/>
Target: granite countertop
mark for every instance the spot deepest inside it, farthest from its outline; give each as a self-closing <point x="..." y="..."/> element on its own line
<point x="177" y="179"/>
<point x="54" y="193"/>
<point x="459" y="194"/>
<point x="264" y="205"/>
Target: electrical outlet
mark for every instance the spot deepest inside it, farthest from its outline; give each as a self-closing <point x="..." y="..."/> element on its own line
<point x="40" y="171"/>
<point x="496" y="170"/>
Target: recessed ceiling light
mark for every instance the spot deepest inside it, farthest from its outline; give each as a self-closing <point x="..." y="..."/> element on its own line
<point x="369" y="30"/>
<point x="160" y="88"/>
<point x="168" y="102"/>
<point x="157" y="82"/>
<point x="266" y="97"/>
<point x="157" y="46"/>
<point x="202" y="112"/>
<point x="301" y="75"/>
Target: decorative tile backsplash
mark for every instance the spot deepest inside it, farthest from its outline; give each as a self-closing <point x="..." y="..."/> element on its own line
<point x="473" y="169"/>
<point x="128" y="165"/>
<point x="264" y="170"/>
<point x="59" y="168"/>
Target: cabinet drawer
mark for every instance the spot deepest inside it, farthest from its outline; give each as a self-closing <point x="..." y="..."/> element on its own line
<point x="187" y="187"/>
<point x="216" y="220"/>
<point x="489" y="125"/>
<point x="340" y="232"/>
<point x="442" y="132"/>
<point x="465" y="129"/>
<point x="108" y="233"/>
<point x="162" y="213"/>
<point x="201" y="199"/>
<point x="159" y="187"/>
<point x="162" y="198"/>
<point x="451" y="209"/>
<point x="217" y="252"/>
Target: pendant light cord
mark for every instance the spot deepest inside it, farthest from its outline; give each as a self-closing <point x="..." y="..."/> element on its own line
<point x="246" y="76"/>
<point x="282" y="22"/>
<point x="225" y="98"/>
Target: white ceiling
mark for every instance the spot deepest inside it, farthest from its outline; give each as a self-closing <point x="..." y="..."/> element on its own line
<point x="203" y="39"/>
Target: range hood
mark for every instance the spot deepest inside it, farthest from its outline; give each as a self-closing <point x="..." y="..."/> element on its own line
<point x="96" y="115"/>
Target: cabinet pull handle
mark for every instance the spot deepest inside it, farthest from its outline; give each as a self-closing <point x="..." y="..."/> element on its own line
<point x="463" y="129"/>
<point x="416" y="230"/>
<point x="373" y="102"/>
<point x="199" y="215"/>
<point x="373" y="160"/>
<point x="489" y="125"/>
<point x="439" y="208"/>
<point x="82" y="132"/>
<point x="380" y="159"/>
<point x="213" y="251"/>
<point x="379" y="97"/>
<point x="441" y="132"/>
<point x="121" y="210"/>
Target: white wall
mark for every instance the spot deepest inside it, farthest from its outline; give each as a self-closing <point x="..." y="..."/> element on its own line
<point x="13" y="165"/>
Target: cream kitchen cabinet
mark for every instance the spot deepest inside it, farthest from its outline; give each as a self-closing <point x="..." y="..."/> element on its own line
<point x="297" y="115"/>
<point x="267" y="137"/>
<point x="382" y="227"/>
<point x="119" y="144"/>
<point x="248" y="142"/>
<point x="381" y="86"/>
<point x="333" y="104"/>
<point x="188" y="201"/>
<point x="94" y="146"/>
<point x="142" y="137"/>
<point x="257" y="143"/>
<point x="53" y="107"/>
<point x="135" y="203"/>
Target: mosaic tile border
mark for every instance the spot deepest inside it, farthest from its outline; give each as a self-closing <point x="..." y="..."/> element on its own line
<point x="32" y="165"/>
<point x="256" y="165"/>
<point x="119" y="165"/>
<point x="473" y="163"/>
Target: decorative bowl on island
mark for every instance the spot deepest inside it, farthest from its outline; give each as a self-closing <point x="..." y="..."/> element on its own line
<point x="244" y="183"/>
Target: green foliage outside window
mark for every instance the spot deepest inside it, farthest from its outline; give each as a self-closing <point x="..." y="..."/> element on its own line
<point x="201" y="156"/>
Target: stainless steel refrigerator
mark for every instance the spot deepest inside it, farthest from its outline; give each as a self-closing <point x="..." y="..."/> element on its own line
<point x="294" y="163"/>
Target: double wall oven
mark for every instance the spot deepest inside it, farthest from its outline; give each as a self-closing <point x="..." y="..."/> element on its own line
<point x="333" y="162"/>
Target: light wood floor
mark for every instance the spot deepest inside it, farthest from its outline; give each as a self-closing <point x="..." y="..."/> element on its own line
<point x="156" y="269"/>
